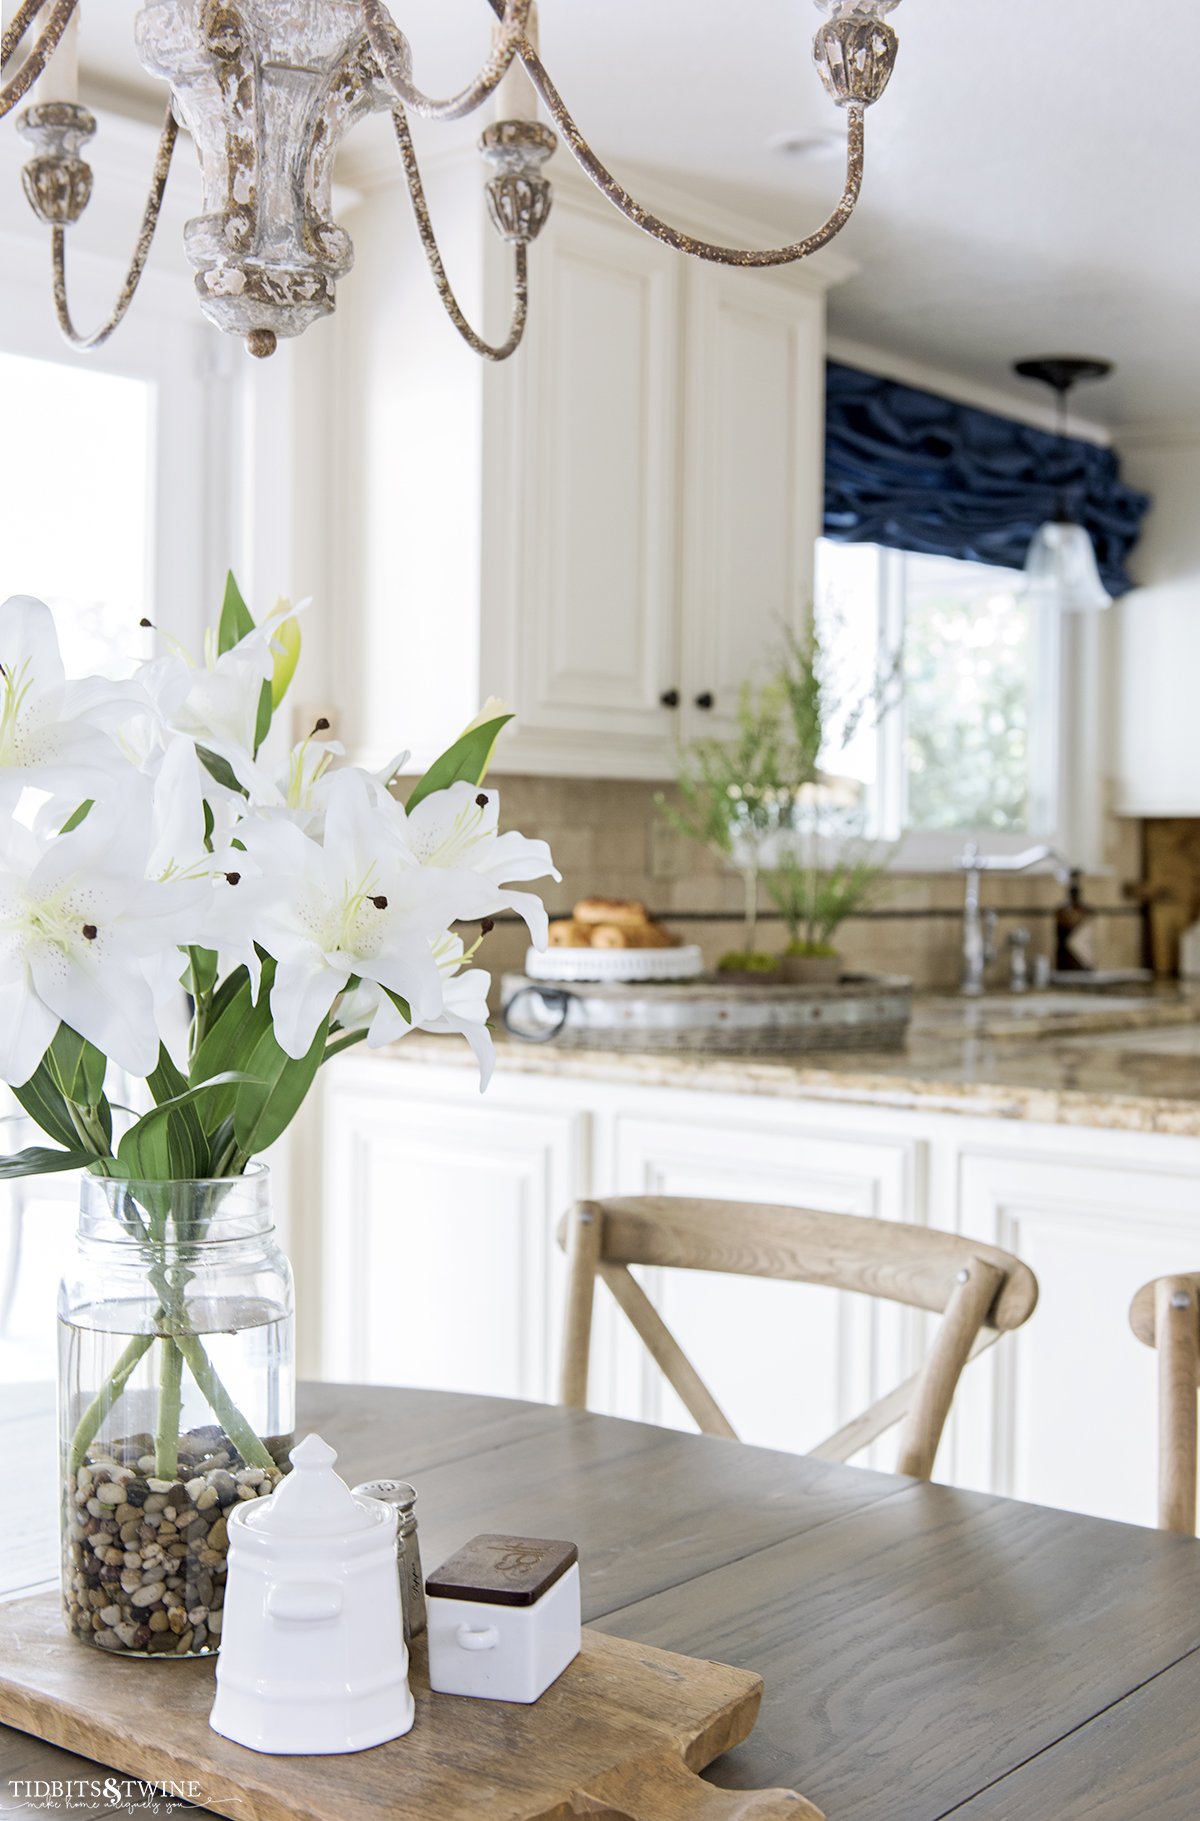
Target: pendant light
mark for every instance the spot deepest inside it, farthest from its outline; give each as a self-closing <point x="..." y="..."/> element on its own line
<point x="1061" y="564"/>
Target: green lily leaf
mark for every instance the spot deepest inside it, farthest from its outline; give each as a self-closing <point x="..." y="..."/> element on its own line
<point x="38" y="1161"/>
<point x="220" y="770"/>
<point x="236" y="622"/>
<point x="79" y="1067"/>
<point x="144" y="1152"/>
<point x="266" y="708"/>
<point x="464" y="762"/>
<point x="187" y="1144"/>
<point x="201" y="976"/>
<point x="43" y="1100"/>
<point x="77" y="816"/>
<point x="401" y="1005"/>
<point x="235" y="1026"/>
<point x="267" y="1104"/>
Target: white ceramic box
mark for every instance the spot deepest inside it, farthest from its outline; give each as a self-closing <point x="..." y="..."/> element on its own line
<point x="312" y="1657"/>
<point x="504" y="1618"/>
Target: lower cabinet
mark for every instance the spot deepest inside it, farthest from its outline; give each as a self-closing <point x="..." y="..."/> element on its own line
<point x="440" y="1264"/>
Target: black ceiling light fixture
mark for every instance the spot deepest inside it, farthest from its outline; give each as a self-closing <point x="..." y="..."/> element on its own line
<point x="1061" y="564"/>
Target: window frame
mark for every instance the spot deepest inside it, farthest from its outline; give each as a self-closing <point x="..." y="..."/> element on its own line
<point x="191" y="507"/>
<point x="1066" y="806"/>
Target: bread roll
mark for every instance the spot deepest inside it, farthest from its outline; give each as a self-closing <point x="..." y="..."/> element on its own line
<point x="610" y="935"/>
<point x="567" y="933"/>
<point x="618" y="913"/>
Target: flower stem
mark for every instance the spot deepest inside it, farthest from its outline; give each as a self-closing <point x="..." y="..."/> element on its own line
<point x="170" y="1403"/>
<point x="750" y="883"/>
<point x="106" y="1397"/>
<point x="220" y="1403"/>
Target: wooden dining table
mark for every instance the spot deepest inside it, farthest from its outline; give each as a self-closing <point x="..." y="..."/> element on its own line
<point x="927" y="1652"/>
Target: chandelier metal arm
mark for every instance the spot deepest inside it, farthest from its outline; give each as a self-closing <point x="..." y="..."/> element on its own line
<point x="18" y="25"/>
<point x="520" y="313"/>
<point x="390" y="50"/>
<point x="141" y="252"/>
<point x="19" y="85"/>
<point x="651" y="224"/>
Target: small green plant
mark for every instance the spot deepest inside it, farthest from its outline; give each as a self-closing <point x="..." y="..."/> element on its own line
<point x="814" y="901"/>
<point x="747" y="798"/>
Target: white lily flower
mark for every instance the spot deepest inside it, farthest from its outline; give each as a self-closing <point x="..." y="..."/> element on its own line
<point x="299" y="792"/>
<point x="464" y="1009"/>
<point x="355" y="905"/>
<point x="53" y="734"/>
<point x="80" y="925"/>
<point x="216" y="703"/>
<point x="457" y="830"/>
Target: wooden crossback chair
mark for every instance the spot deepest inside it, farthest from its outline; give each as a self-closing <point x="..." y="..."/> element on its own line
<point x="979" y="1291"/>
<point x="1165" y="1314"/>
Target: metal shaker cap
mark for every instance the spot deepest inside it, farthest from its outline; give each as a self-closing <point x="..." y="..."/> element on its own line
<point x="391" y="1492"/>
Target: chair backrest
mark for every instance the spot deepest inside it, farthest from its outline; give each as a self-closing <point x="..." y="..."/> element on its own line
<point x="979" y="1291"/>
<point x="1165" y="1314"/>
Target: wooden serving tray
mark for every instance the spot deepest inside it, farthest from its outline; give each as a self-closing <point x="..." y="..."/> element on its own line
<point x="619" y="1737"/>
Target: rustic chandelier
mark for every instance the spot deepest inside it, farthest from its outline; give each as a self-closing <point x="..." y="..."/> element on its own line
<point x="268" y="89"/>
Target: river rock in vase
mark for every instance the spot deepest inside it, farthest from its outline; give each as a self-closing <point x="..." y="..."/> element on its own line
<point x="176" y="1399"/>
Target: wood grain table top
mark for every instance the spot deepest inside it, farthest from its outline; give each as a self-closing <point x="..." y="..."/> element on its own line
<point x="927" y="1652"/>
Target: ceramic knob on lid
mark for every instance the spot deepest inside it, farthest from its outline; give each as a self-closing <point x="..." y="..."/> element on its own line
<point x="312" y="1500"/>
<point x="312" y="1657"/>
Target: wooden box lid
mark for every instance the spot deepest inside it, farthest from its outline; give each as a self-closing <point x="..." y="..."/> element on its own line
<point x="502" y="1570"/>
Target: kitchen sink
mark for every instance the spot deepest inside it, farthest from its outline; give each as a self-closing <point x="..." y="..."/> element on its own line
<point x="1052" y="1013"/>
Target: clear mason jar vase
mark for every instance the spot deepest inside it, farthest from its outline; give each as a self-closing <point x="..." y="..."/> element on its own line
<point x="176" y="1400"/>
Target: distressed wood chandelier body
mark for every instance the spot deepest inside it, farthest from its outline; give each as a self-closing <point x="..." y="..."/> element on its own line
<point x="268" y="89"/>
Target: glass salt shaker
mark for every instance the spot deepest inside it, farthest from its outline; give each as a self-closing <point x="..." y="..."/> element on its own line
<point x="408" y="1551"/>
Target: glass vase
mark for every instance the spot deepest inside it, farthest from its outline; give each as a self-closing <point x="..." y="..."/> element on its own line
<point x="176" y="1400"/>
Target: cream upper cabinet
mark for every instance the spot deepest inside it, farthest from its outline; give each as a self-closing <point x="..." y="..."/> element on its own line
<point x="580" y="581"/>
<point x="610" y="530"/>
<point x="754" y="413"/>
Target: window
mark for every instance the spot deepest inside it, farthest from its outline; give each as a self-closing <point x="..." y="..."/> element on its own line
<point x="81" y="462"/>
<point x="966" y="745"/>
<point x="117" y="504"/>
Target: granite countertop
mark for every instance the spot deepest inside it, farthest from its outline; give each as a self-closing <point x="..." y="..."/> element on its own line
<point x="1131" y="1065"/>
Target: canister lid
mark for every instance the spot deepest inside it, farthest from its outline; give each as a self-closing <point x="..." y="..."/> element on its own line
<point x="311" y="1501"/>
<point x="502" y="1570"/>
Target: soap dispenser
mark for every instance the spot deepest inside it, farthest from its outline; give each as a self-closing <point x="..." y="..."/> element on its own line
<point x="313" y="1658"/>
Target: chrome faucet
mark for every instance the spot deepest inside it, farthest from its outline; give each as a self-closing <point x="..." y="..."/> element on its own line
<point x="979" y="948"/>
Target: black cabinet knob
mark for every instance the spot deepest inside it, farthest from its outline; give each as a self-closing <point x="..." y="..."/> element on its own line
<point x="706" y="699"/>
<point x="669" y="698"/>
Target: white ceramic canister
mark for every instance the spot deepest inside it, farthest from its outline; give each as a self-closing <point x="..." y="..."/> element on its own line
<point x="503" y="1618"/>
<point x="312" y="1656"/>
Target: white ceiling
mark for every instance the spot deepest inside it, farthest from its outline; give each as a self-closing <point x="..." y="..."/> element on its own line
<point x="1030" y="180"/>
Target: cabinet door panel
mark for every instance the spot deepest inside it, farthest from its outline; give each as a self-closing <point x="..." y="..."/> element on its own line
<point x="787" y="1362"/>
<point x="755" y="414"/>
<point x="1064" y="1412"/>
<point x="440" y="1267"/>
<point x="593" y="613"/>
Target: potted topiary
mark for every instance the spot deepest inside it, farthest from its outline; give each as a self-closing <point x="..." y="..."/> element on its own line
<point x="823" y="873"/>
<point x="761" y="803"/>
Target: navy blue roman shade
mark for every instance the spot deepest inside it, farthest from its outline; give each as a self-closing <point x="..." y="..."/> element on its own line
<point x="915" y="471"/>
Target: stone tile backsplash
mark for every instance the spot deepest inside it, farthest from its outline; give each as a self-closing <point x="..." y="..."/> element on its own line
<point x="610" y="841"/>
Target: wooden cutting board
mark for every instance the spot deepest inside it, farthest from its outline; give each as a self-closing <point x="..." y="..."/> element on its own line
<point x="619" y="1737"/>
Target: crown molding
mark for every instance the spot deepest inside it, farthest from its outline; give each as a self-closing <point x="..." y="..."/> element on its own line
<point x="1025" y="405"/>
<point x="1184" y="434"/>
